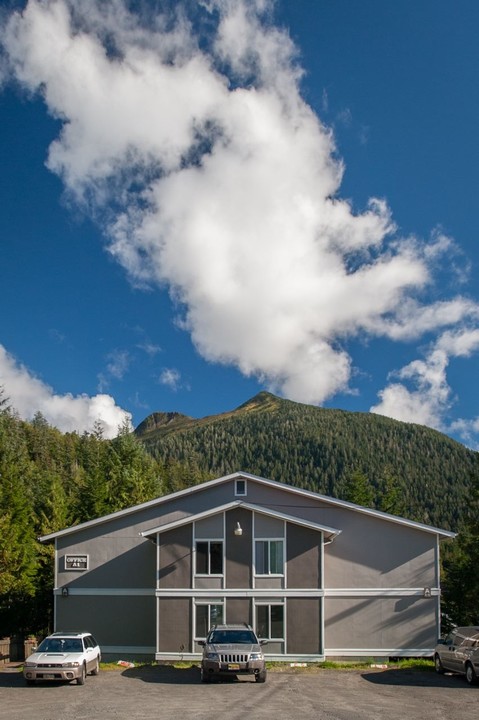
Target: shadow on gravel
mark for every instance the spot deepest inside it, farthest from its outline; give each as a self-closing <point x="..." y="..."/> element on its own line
<point x="11" y="676"/>
<point x="415" y="678"/>
<point x="165" y="674"/>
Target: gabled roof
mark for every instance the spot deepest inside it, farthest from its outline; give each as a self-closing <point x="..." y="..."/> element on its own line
<point x="330" y="533"/>
<point x="248" y="476"/>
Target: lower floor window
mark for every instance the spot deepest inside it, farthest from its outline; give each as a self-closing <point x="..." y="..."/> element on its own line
<point x="270" y="621"/>
<point x="206" y="616"/>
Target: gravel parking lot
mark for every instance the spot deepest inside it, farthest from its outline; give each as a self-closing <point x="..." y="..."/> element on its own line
<point x="163" y="692"/>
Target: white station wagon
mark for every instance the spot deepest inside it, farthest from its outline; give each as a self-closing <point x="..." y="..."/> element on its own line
<point x="63" y="657"/>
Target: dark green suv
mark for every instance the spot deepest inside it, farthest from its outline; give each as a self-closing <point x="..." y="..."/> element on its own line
<point x="232" y="650"/>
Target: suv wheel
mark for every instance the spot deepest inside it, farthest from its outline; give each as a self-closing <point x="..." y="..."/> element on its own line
<point x="470" y="674"/>
<point x="204" y="676"/>
<point x="81" y="678"/>
<point x="261" y="676"/>
<point x="438" y="664"/>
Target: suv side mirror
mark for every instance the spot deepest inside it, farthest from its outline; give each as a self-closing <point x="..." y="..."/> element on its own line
<point x="263" y="642"/>
<point x="202" y="643"/>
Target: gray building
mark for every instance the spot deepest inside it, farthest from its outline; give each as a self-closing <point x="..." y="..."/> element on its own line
<point x="316" y="576"/>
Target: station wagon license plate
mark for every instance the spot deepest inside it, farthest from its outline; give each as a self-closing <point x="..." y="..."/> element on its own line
<point x="233" y="666"/>
<point x="48" y="676"/>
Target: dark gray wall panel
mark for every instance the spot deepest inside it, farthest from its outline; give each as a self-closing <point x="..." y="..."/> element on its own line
<point x="304" y="557"/>
<point x="238" y="610"/>
<point x="303" y="626"/>
<point x="175" y="625"/>
<point x="175" y="558"/>
<point x="238" y="549"/>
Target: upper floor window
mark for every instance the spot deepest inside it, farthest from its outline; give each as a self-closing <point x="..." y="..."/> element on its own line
<point x="269" y="557"/>
<point x="240" y="487"/>
<point x="209" y="557"/>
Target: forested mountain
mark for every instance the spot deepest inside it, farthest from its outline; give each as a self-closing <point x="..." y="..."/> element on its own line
<point x="397" y="467"/>
<point x="50" y="480"/>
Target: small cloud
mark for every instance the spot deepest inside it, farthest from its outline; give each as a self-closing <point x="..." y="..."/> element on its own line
<point x="117" y="365"/>
<point x="325" y="102"/>
<point x="424" y="395"/>
<point x="149" y="348"/>
<point x="364" y="134"/>
<point x="170" y="377"/>
<point x="57" y="336"/>
<point x="345" y="117"/>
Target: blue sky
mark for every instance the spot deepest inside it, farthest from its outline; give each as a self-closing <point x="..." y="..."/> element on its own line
<point x="244" y="196"/>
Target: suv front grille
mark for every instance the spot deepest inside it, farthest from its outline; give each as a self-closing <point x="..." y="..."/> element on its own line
<point x="234" y="657"/>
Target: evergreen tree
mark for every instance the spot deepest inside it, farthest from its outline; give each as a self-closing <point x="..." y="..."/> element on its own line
<point x="359" y="490"/>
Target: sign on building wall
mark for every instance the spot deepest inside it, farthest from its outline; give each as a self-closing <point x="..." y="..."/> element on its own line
<point x="76" y="562"/>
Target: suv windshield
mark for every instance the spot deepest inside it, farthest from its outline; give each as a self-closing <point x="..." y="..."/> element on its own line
<point x="61" y="645"/>
<point x="230" y="637"/>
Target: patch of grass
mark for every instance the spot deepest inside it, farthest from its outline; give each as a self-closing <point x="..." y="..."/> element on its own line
<point x="279" y="666"/>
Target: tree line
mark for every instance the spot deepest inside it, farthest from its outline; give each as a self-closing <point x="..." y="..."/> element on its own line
<point x="51" y="480"/>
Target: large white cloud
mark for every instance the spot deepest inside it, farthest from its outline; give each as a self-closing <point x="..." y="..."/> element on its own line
<point x="28" y="395"/>
<point x="211" y="175"/>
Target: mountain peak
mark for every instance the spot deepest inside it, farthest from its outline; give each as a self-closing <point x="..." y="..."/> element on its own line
<point x="263" y="399"/>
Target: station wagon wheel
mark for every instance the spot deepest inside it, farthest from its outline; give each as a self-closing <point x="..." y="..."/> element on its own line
<point x="438" y="664"/>
<point x="470" y="674"/>
<point x="81" y="678"/>
<point x="96" y="669"/>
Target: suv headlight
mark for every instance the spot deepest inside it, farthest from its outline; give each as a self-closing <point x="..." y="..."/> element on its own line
<point x="71" y="664"/>
<point x="212" y="656"/>
<point x="256" y="656"/>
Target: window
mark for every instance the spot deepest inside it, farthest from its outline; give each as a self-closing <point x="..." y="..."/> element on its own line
<point x="209" y="557"/>
<point x="269" y="557"/>
<point x="270" y="622"/>
<point x="206" y="616"/>
<point x="240" y="487"/>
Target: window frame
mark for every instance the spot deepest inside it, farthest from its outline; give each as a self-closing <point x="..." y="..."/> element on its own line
<point x="209" y="604"/>
<point x="209" y="542"/>
<point x="269" y="542"/>
<point x="269" y="605"/>
<point x="238" y="482"/>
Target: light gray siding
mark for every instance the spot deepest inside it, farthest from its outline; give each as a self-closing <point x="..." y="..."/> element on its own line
<point x="374" y="553"/>
<point x="380" y="623"/>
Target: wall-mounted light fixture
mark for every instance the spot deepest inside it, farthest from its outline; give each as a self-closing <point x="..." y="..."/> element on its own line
<point x="238" y="530"/>
<point x="427" y="592"/>
<point x="64" y="592"/>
